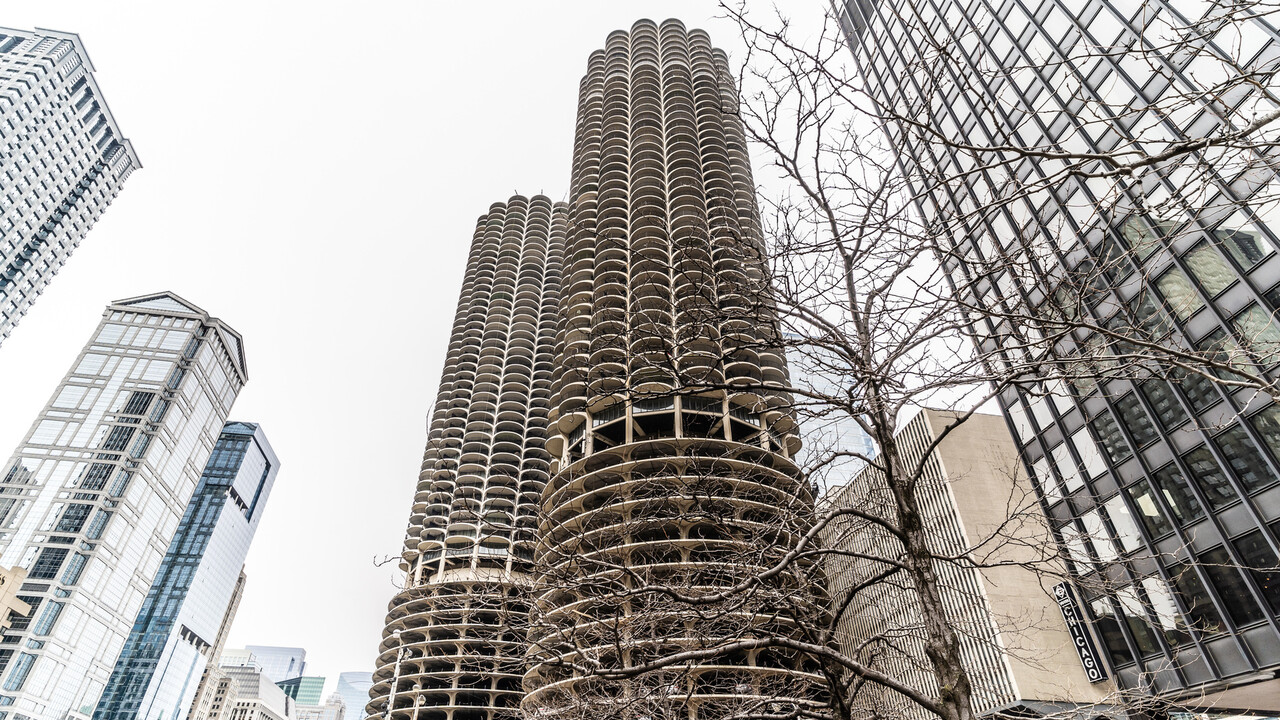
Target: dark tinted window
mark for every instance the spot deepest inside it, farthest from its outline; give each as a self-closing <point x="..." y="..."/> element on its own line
<point x="1149" y="510"/>
<point x="1232" y="590"/>
<point x="1175" y="491"/>
<point x="1242" y="455"/>
<point x="1262" y="566"/>
<point x="1168" y="410"/>
<point x="1195" y="599"/>
<point x="1112" y="442"/>
<point x="1209" y="476"/>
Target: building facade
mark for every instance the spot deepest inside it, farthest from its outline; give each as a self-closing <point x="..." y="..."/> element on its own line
<point x="307" y="690"/>
<point x="206" y="704"/>
<point x="1166" y="495"/>
<point x="453" y="646"/>
<point x="257" y="697"/>
<point x="279" y="663"/>
<point x="669" y="379"/>
<point x="354" y="689"/>
<point x="96" y="491"/>
<point x="1016" y="647"/>
<point x="63" y="158"/>
<point x="176" y="635"/>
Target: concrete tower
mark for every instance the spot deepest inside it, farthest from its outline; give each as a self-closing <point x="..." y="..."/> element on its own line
<point x="453" y="646"/>
<point x="671" y="448"/>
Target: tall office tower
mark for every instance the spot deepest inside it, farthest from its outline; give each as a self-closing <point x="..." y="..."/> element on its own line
<point x="453" y="645"/>
<point x="210" y="689"/>
<point x="1160" y="491"/>
<point x="304" y="690"/>
<point x="1014" y="642"/>
<point x="354" y="689"/>
<point x="62" y="156"/>
<point x="279" y="663"/>
<point x="175" y="636"/>
<point x="670" y="442"/>
<point x="96" y="491"/>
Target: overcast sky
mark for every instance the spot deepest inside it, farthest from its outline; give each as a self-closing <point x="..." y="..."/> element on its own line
<point x="312" y="175"/>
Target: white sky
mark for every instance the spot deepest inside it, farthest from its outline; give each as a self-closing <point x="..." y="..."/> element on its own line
<point x="312" y="175"/>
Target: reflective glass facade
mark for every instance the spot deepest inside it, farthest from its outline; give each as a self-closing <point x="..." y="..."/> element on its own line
<point x="176" y="634"/>
<point x="354" y="689"/>
<point x="62" y="161"/>
<point x="279" y="663"/>
<point x="95" y="493"/>
<point x="1159" y="491"/>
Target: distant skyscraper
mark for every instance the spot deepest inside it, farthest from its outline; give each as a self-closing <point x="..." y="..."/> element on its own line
<point x="468" y="549"/>
<point x="354" y="689"/>
<point x="62" y="157"/>
<point x="1166" y="495"/>
<point x="279" y="663"/>
<point x="93" y="496"/>
<point x="256" y="696"/>
<point x="307" y="690"/>
<point x="175" y="634"/>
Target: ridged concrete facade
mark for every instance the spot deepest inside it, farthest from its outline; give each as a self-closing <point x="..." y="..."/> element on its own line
<point x="672" y="452"/>
<point x="453" y="646"/>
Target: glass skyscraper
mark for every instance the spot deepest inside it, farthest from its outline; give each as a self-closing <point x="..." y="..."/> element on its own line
<point x="175" y="635"/>
<point x="62" y="159"/>
<point x="1166" y="495"/>
<point x="279" y="663"/>
<point x="93" y="496"/>
<point x="354" y="689"/>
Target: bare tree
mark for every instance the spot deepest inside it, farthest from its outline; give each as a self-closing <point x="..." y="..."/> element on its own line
<point x="892" y="296"/>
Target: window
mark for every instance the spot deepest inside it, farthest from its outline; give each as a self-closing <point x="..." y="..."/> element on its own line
<point x="1098" y="536"/>
<point x="50" y="616"/>
<point x="1222" y="349"/>
<point x="1200" y="391"/>
<point x="1262" y="566"/>
<point x="1139" y="236"/>
<point x="1112" y="441"/>
<point x="47" y="564"/>
<point x="1167" y="409"/>
<point x="1109" y="627"/>
<point x="99" y="523"/>
<point x="118" y="439"/>
<point x="1210" y="478"/>
<point x="71" y="575"/>
<point x="96" y="476"/>
<point x="1136" y="420"/>
<point x="1243" y="245"/>
<point x="1242" y="455"/>
<point x="1259" y="333"/>
<point x="1230" y="585"/>
<point x="1126" y="529"/>
<point x="21" y="668"/>
<point x="1066" y="468"/>
<point x="1267" y="425"/>
<point x="1200" y="609"/>
<point x="1149" y="513"/>
<point x="1048" y="484"/>
<point x="1214" y="274"/>
<point x="1177" y="494"/>
<point x="73" y="518"/>
<point x="1166" y="611"/>
<point x="1135" y="616"/>
<point x="1178" y="291"/>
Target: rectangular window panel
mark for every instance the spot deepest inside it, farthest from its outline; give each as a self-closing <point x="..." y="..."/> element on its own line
<point x="1208" y="475"/>
<point x="1177" y="494"/>
<point x="44" y="625"/>
<point x="1149" y="514"/>
<point x="21" y="668"/>
<point x="1112" y="441"/>
<point x="1135" y="616"/>
<point x="1244" y="245"/>
<point x="71" y="575"/>
<point x="1109" y="627"/>
<point x="73" y="518"/>
<point x="1179" y="293"/>
<point x="1168" y="410"/>
<point x="1136" y="420"/>
<point x="1262" y="566"/>
<point x="118" y="439"/>
<point x="1099" y="536"/>
<point x="1166" y="611"/>
<point x="1244" y="458"/>
<point x="1199" y="390"/>
<point x="1232" y="590"/>
<point x="48" y="564"/>
<point x="1214" y="274"/>
<point x="96" y="476"/>
<point x="1267" y="425"/>
<point x="1259" y="333"/>
<point x="1195" y="598"/>
<point x="1126" y="529"/>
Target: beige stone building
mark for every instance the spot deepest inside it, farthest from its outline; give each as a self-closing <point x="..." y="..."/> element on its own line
<point x="10" y="605"/>
<point x="976" y="499"/>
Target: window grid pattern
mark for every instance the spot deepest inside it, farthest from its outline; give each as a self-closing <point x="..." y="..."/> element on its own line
<point x="1106" y="455"/>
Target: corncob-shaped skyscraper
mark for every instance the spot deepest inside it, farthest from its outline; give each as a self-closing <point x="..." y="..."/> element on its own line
<point x="453" y="645"/>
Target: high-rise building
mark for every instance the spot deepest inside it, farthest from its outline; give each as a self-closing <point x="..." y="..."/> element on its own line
<point x="304" y="690"/>
<point x="63" y="158"/>
<point x="279" y="663"/>
<point x="454" y="634"/>
<point x="1017" y="649"/>
<point x="667" y="403"/>
<point x="184" y="617"/>
<point x="1165" y="494"/>
<point x="354" y="689"/>
<point x="333" y="709"/>
<point x="206" y="704"/>
<point x="96" y="491"/>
